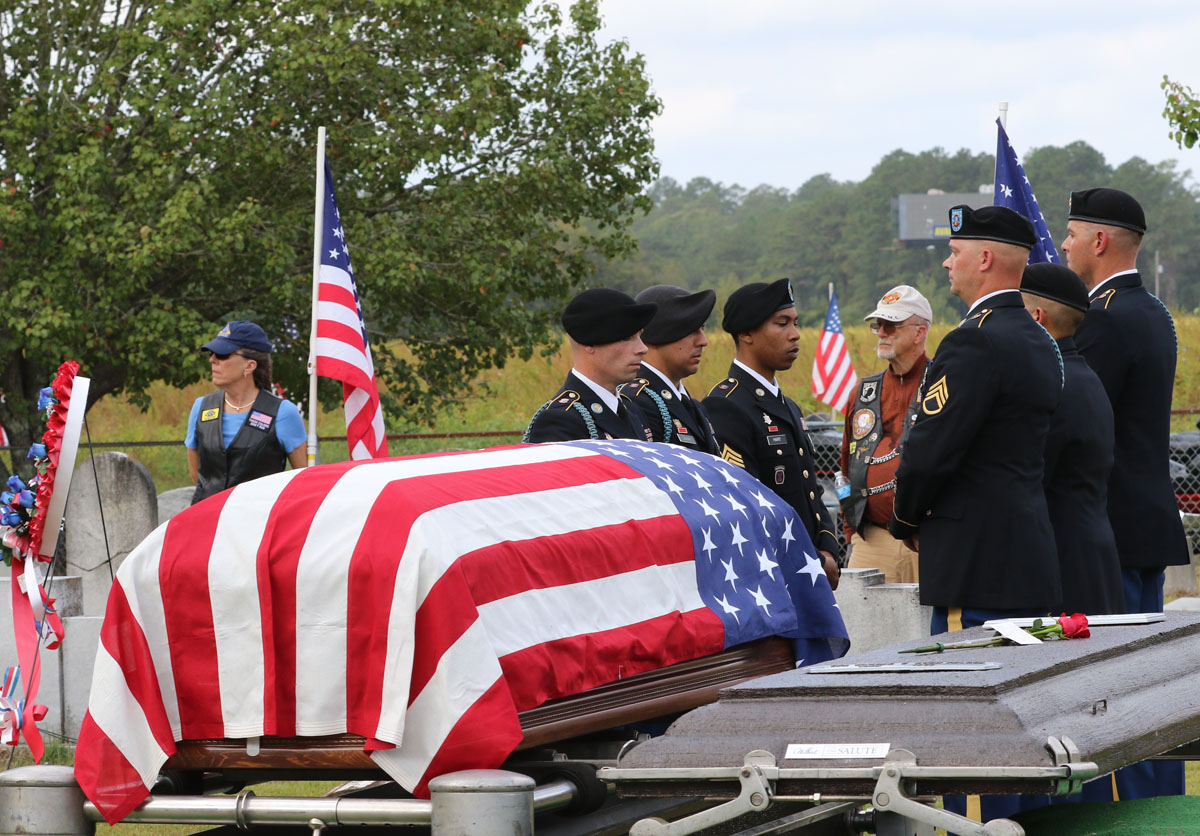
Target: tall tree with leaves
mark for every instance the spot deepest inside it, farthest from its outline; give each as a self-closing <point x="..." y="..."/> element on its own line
<point x="157" y="170"/>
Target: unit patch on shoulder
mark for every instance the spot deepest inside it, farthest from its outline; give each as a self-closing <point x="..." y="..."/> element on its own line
<point x="210" y="414"/>
<point x="936" y="397"/>
<point x="732" y="456"/>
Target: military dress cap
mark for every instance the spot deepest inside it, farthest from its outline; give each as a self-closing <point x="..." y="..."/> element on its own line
<point x="679" y="313"/>
<point x="749" y="305"/>
<point x="1107" y="206"/>
<point x="899" y="303"/>
<point x="239" y="334"/>
<point x="992" y="223"/>
<point x="1056" y="282"/>
<point x="601" y="315"/>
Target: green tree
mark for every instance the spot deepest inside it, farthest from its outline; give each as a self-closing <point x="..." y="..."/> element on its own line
<point x="1182" y="112"/>
<point x="157" y="169"/>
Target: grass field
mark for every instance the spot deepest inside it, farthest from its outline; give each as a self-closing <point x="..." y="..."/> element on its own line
<point x="505" y="399"/>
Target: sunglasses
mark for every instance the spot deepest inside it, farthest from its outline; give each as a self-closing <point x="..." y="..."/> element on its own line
<point x="878" y="327"/>
<point x="222" y="356"/>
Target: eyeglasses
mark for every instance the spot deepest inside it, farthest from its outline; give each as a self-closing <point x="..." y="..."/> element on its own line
<point x="878" y="327"/>
<point x="222" y="356"/>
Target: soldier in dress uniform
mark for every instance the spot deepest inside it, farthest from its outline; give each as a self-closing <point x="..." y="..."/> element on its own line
<point x="604" y="327"/>
<point x="885" y="404"/>
<point x="1079" y="451"/>
<point x="674" y="341"/>
<point x="969" y="487"/>
<point x="1129" y="340"/>
<point x="760" y="429"/>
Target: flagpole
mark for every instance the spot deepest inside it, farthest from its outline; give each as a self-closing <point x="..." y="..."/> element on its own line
<point x="1004" y="127"/>
<point x="318" y="228"/>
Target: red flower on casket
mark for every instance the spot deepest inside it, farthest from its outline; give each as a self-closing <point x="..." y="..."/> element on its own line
<point x="1074" y="626"/>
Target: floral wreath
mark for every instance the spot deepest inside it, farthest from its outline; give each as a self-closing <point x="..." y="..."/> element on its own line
<point x="23" y="506"/>
<point x="23" y="510"/>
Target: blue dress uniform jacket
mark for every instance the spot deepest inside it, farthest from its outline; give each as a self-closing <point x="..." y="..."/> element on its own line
<point x="575" y="413"/>
<point x="670" y="419"/>
<point x="765" y="435"/>
<point x="970" y="475"/>
<point x="1079" y="457"/>
<point x="1128" y="339"/>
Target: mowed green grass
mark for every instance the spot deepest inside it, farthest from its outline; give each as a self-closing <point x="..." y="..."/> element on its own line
<point x="505" y="399"/>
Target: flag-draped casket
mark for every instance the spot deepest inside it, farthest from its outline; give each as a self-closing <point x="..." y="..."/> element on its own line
<point x="422" y="602"/>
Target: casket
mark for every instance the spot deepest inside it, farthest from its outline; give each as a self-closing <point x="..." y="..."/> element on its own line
<point x="435" y="613"/>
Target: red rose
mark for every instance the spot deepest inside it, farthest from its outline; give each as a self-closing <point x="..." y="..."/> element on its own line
<point x="1074" y="626"/>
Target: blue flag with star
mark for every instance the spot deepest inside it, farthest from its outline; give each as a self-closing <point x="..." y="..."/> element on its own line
<point x="756" y="568"/>
<point x="1013" y="191"/>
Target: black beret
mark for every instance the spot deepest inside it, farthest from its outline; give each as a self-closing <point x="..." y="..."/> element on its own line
<point x="1107" y="206"/>
<point x="1056" y="282"/>
<point x="600" y="315"/>
<point x="992" y="223"/>
<point x="679" y="312"/>
<point x="751" y="304"/>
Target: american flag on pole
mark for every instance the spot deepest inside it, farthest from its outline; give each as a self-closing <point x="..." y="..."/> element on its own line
<point x="422" y="602"/>
<point x="342" y="350"/>
<point x="833" y="377"/>
<point x="1014" y="192"/>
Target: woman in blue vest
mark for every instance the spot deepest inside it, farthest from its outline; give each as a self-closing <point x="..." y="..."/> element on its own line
<point x="241" y="431"/>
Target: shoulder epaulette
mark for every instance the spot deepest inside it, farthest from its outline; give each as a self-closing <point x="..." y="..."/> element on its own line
<point x="979" y="316"/>
<point x="566" y="399"/>
<point x="725" y="388"/>
<point x="1107" y="296"/>
<point x="633" y="388"/>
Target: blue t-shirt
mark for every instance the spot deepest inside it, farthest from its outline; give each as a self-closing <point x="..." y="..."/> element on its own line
<point x="289" y="426"/>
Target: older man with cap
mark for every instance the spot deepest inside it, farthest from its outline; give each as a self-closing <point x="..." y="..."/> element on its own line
<point x="1128" y="338"/>
<point x="884" y="406"/>
<point x="969" y="486"/>
<point x="675" y="342"/>
<point x="604" y="327"/>
<point x="760" y="429"/>
<point x="1079" y="451"/>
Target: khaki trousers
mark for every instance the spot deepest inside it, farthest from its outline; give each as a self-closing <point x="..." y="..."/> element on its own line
<point x="879" y="550"/>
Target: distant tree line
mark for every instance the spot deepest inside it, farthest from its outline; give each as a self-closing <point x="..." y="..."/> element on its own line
<point x="708" y="234"/>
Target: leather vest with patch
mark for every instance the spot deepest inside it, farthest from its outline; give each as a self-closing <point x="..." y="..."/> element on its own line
<point x="855" y="505"/>
<point x="255" y="451"/>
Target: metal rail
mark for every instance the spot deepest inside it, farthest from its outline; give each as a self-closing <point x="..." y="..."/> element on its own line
<point x="247" y="809"/>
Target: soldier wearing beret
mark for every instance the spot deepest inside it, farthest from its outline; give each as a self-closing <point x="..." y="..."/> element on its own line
<point x="675" y="342"/>
<point x="760" y="429"/>
<point x="969" y="487"/>
<point x="604" y="327"/>
<point x="884" y="405"/>
<point x="1079" y="451"/>
<point x="1128" y="338"/>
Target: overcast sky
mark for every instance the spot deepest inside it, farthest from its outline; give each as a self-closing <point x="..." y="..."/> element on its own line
<point x="775" y="91"/>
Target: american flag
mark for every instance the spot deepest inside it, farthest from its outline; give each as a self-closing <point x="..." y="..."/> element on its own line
<point x="422" y="602"/>
<point x="1014" y="192"/>
<point x="342" y="350"/>
<point x="833" y="377"/>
